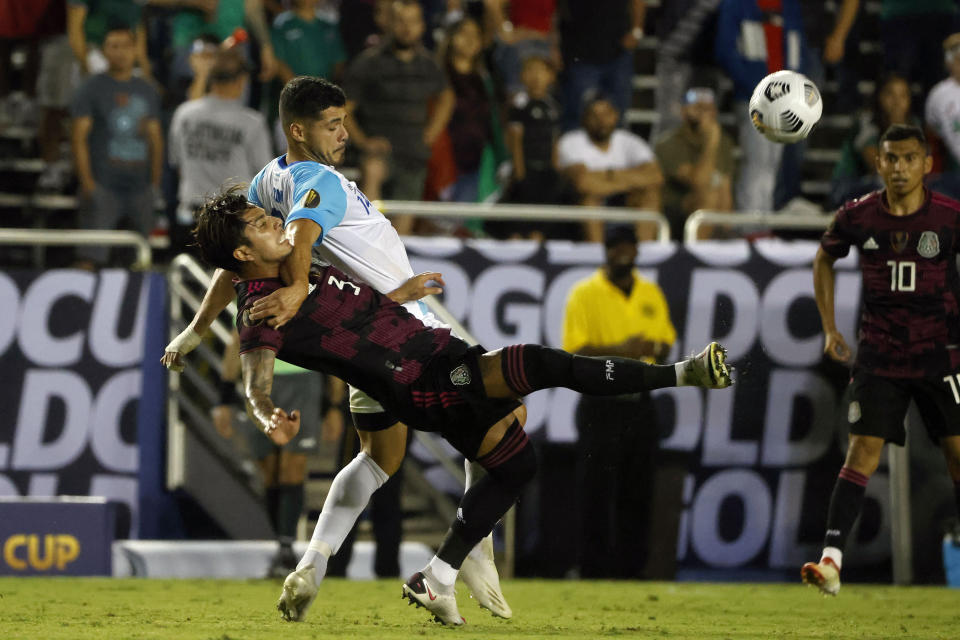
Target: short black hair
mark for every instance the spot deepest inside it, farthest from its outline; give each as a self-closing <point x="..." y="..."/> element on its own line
<point x="306" y="97"/>
<point x="616" y="234"/>
<point x="221" y="228"/>
<point x="116" y="24"/>
<point x="898" y="132"/>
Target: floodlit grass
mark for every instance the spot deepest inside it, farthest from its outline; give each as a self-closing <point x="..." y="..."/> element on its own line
<point x="78" y="609"/>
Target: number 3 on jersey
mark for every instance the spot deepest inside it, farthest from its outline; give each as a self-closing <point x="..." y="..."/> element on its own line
<point x="903" y="275"/>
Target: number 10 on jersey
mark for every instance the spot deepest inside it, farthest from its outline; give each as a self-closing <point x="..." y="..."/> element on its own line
<point x="903" y="275"/>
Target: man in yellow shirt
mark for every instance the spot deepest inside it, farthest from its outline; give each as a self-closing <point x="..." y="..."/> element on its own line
<point x="616" y="312"/>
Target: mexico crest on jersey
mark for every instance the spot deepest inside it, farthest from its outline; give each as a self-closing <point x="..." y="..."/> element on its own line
<point x="460" y="376"/>
<point x="929" y="244"/>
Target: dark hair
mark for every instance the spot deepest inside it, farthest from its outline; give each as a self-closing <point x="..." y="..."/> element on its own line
<point x="447" y="46"/>
<point x="115" y="24"/>
<point x="879" y="117"/>
<point x="591" y="98"/>
<point x="228" y="65"/>
<point x="306" y="97"/>
<point x="221" y="228"/>
<point x="898" y="132"/>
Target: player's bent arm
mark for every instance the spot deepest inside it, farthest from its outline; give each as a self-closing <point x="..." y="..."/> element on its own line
<point x="823" y="289"/>
<point x="284" y="303"/>
<point x="215" y="300"/>
<point x="257" y="367"/>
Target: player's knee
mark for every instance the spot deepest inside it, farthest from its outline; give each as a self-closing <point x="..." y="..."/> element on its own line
<point x="863" y="455"/>
<point x="518" y="469"/>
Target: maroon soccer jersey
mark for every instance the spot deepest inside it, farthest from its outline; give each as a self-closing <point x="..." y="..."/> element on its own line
<point x="347" y="329"/>
<point x="910" y="326"/>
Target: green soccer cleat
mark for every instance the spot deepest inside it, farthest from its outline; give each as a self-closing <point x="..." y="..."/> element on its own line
<point x="707" y="369"/>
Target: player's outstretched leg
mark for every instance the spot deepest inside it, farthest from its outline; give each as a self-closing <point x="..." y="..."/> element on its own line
<point x="479" y="570"/>
<point x="299" y="591"/>
<point x="425" y="590"/>
<point x="525" y="368"/>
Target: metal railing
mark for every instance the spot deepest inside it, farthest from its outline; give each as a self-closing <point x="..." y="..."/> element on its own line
<point x="761" y="219"/>
<point x="79" y="238"/>
<point x="545" y="213"/>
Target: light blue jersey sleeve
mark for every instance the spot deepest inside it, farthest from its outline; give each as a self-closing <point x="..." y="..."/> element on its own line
<point x="253" y="193"/>
<point x="318" y="195"/>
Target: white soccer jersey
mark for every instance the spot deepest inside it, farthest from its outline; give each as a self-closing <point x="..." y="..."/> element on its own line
<point x="943" y="114"/>
<point x="356" y="237"/>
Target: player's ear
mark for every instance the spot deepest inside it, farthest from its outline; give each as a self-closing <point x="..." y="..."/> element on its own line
<point x="243" y="253"/>
<point x="927" y="164"/>
<point x="297" y="132"/>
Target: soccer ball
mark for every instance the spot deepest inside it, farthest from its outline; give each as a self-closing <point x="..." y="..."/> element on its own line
<point x="785" y="106"/>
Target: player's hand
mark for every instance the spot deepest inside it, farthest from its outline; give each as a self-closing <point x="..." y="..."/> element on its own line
<point x="283" y="426"/>
<point x="836" y="347"/>
<point x="282" y="305"/>
<point x="417" y="287"/>
<point x="222" y="415"/>
<point x="180" y="346"/>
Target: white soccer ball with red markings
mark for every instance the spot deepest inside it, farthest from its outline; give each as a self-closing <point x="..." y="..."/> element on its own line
<point x="785" y="106"/>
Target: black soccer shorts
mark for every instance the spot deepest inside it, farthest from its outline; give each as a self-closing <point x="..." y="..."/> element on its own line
<point x="878" y="405"/>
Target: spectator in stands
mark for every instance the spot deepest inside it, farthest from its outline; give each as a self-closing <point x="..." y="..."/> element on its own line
<point x="56" y="81"/>
<point x="363" y="24"/>
<point x="220" y="19"/>
<point x="755" y="38"/>
<point x="215" y="139"/>
<point x="856" y="171"/>
<point x="532" y="132"/>
<point x="697" y="162"/>
<point x="685" y="31"/>
<point x="117" y="143"/>
<point x="306" y="44"/>
<point x="475" y="131"/>
<point x="520" y="30"/>
<point x="825" y="46"/>
<point x="597" y="41"/>
<point x="87" y="26"/>
<point x="616" y="312"/>
<point x="398" y="102"/>
<point x="943" y="117"/>
<point x="911" y="32"/>
<point x="607" y="165"/>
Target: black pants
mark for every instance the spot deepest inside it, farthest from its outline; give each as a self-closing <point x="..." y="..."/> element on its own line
<point x="616" y="466"/>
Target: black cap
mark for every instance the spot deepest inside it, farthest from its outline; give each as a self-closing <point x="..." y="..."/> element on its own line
<point x="615" y="234"/>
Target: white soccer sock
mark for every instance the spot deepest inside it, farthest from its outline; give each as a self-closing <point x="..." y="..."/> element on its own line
<point x="443" y="572"/>
<point x="834" y="554"/>
<point x="349" y="495"/>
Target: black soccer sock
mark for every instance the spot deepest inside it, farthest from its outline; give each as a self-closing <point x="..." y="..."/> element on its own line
<point x="845" y="505"/>
<point x="531" y="367"/>
<point x="271" y="502"/>
<point x="289" y="507"/>
<point x="510" y="465"/>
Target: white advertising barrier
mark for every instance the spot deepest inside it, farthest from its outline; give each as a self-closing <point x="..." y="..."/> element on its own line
<point x="763" y="455"/>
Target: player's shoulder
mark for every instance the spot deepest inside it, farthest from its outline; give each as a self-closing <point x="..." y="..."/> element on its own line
<point x="942" y="201"/>
<point x="943" y="88"/>
<point x="588" y="285"/>
<point x="574" y="138"/>
<point x="867" y="203"/>
<point x="315" y="173"/>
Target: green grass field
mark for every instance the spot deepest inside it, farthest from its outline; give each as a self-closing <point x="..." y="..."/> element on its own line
<point x="78" y="609"/>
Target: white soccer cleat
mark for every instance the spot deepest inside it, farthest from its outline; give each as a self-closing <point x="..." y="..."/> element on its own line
<point x="482" y="579"/>
<point x="299" y="591"/>
<point x="823" y="575"/>
<point x="708" y="368"/>
<point x="425" y="591"/>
